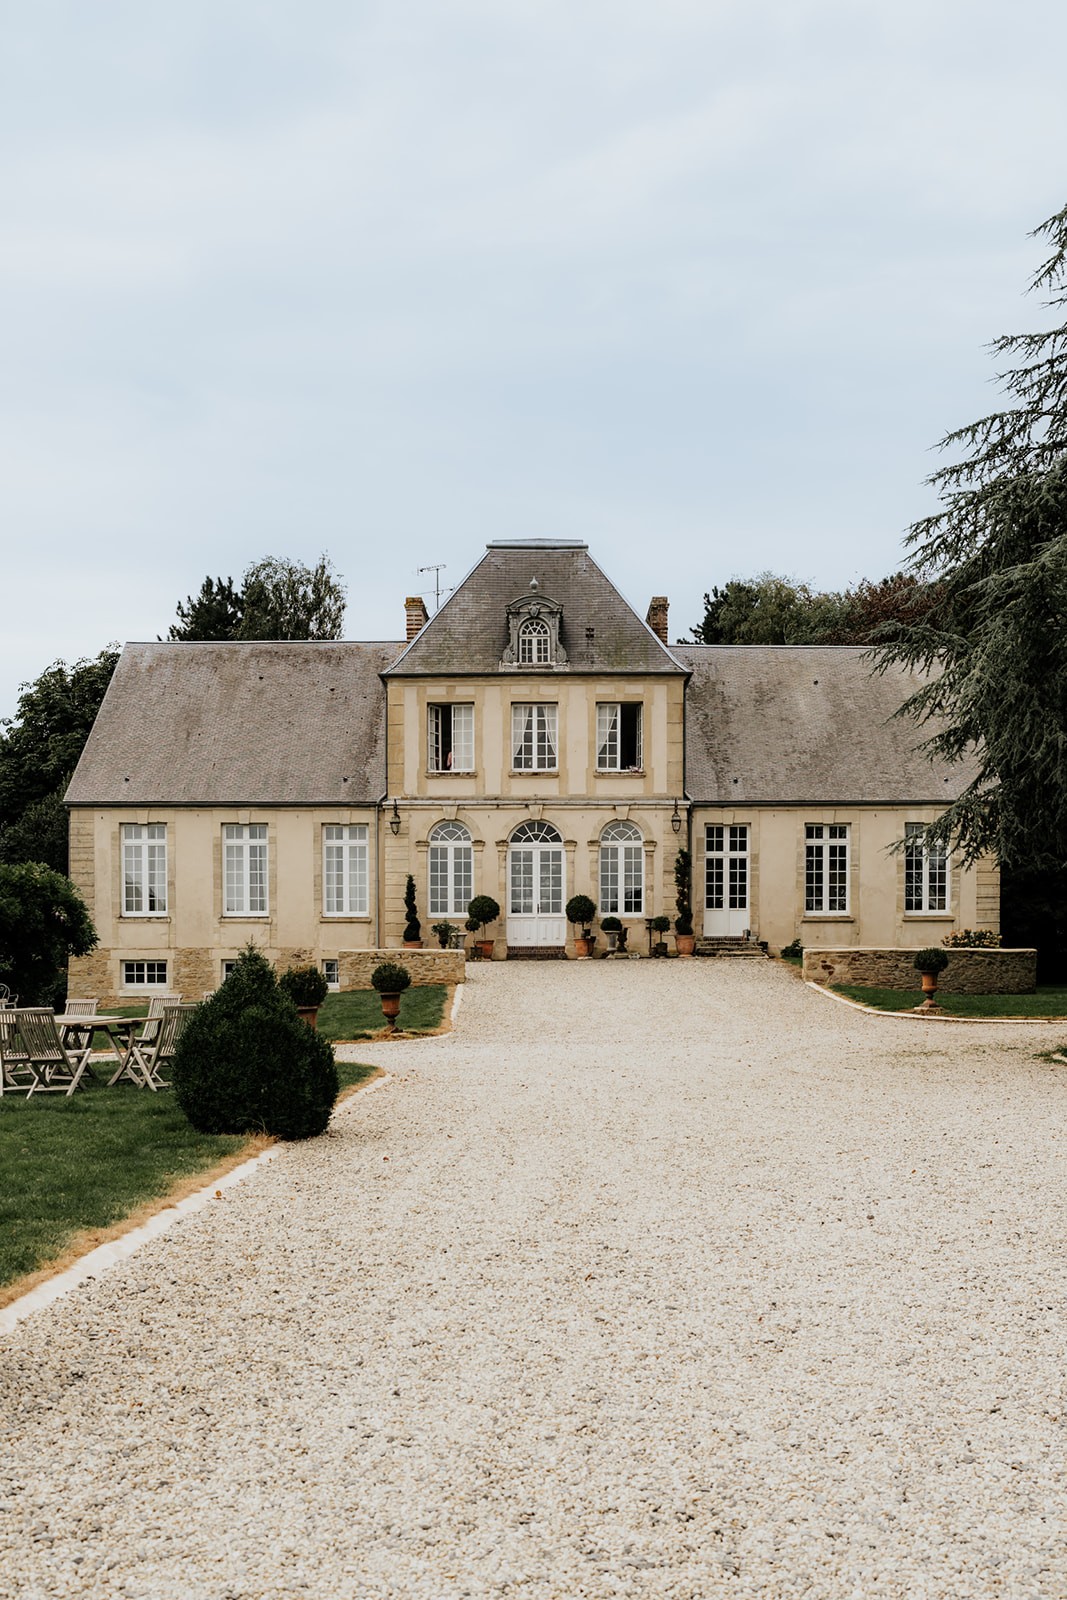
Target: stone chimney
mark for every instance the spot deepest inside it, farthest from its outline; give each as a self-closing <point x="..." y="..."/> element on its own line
<point x="657" y="616"/>
<point x="415" y="606"/>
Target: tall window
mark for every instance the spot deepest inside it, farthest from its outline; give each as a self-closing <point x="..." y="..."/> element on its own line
<point x="344" y="871"/>
<point x="451" y="870"/>
<point x="826" y="867"/>
<point x="451" y="739"/>
<point x="618" y="737"/>
<point x="925" y="872"/>
<point x="144" y="869"/>
<point x="622" y="870"/>
<point x="533" y="738"/>
<point x="535" y="642"/>
<point x="726" y="866"/>
<point x="244" y="869"/>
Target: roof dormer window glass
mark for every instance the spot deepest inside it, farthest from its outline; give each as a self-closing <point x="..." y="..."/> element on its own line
<point x="535" y="642"/>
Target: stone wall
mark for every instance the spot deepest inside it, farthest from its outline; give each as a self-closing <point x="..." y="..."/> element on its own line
<point x="425" y="966"/>
<point x="968" y="971"/>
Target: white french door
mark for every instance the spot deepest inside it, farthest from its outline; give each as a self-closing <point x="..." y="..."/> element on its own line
<point x="726" y="878"/>
<point x="536" y="886"/>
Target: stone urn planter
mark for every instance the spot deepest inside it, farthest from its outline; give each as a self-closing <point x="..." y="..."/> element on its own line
<point x="930" y="964"/>
<point x="307" y="988"/>
<point x="390" y="979"/>
<point x="685" y="943"/>
<point x="611" y="928"/>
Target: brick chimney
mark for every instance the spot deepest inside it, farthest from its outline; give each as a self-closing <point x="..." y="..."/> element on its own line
<point x="657" y="616"/>
<point x="417" y="615"/>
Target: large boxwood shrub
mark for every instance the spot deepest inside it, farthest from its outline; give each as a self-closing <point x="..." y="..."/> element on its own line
<point x="246" y="1063"/>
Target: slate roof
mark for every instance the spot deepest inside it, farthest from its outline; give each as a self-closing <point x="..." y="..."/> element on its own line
<point x="265" y="723"/>
<point x="600" y="631"/>
<point x="791" y="724"/>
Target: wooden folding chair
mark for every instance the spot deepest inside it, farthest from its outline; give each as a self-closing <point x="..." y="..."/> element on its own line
<point x="16" y="1074"/>
<point x="79" y="1038"/>
<point x="56" y="1068"/>
<point x="156" y="1006"/>
<point x="146" y="1056"/>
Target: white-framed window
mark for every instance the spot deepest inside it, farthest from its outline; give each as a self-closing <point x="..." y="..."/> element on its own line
<point x="144" y="869"/>
<point x="622" y="870"/>
<point x="144" y="974"/>
<point x="925" y="872"/>
<point x="345" y="871"/>
<point x="451" y="868"/>
<point x="535" y="642"/>
<point x="726" y="866"/>
<point x="244" y="869"/>
<point x="533" y="738"/>
<point x="331" y="971"/>
<point x="826" y="867"/>
<point x="450" y="738"/>
<point x="227" y="968"/>
<point x="618" y="736"/>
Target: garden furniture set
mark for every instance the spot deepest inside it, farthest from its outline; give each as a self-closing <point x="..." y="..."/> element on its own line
<point x="41" y="1052"/>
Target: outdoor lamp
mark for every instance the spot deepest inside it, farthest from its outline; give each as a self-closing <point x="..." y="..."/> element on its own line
<point x="394" y="820"/>
<point x="676" y="820"/>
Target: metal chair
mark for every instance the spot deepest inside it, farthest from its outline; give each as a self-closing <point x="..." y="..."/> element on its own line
<point x="55" y="1067"/>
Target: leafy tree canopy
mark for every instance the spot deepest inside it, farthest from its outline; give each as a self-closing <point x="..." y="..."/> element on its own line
<point x="768" y="609"/>
<point x="996" y="636"/>
<point x="278" y="599"/>
<point x="43" y="921"/>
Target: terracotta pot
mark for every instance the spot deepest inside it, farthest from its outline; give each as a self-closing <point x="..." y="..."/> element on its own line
<point x="929" y="982"/>
<point x="685" y="943"/>
<point x="308" y="1014"/>
<point x="485" y="948"/>
<point x="391" y="1008"/>
<point x="582" y="948"/>
<point x="412" y="944"/>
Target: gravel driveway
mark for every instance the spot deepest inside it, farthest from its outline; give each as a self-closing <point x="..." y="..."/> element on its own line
<point x="652" y="1279"/>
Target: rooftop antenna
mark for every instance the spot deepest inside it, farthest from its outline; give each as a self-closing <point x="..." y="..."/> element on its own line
<point x="437" y="571"/>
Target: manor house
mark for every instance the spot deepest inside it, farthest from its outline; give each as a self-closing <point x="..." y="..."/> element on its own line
<point x="534" y="739"/>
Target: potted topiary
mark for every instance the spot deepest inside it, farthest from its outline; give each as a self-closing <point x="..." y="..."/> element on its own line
<point x="483" y="910"/>
<point x="472" y="925"/>
<point x="390" y="979"/>
<point x="930" y="964"/>
<point x="580" y="913"/>
<point x="684" y="937"/>
<point x="412" y="925"/>
<point x="443" y="932"/>
<point x="611" y="927"/>
<point x="660" y="925"/>
<point x="307" y="988"/>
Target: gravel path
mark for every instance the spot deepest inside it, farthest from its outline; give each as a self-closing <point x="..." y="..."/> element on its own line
<point x="658" y="1279"/>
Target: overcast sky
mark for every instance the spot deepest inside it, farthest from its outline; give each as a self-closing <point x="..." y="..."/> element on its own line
<point x="701" y="283"/>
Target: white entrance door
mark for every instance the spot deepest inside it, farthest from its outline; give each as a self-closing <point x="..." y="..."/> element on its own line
<point x="535" y="886"/>
<point x="726" y="911"/>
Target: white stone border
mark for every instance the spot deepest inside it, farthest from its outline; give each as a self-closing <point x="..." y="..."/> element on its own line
<point x="457" y="1000"/>
<point x="928" y="1016"/>
<point x="116" y="1250"/>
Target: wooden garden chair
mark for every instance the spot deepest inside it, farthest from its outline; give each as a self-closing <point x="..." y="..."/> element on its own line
<point x="57" y="1068"/>
<point x="16" y="1074"/>
<point x="76" y="1038"/>
<point x="146" y="1057"/>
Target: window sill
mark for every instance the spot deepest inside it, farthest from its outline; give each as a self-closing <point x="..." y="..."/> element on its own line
<point x="334" y="917"/>
<point x="929" y="916"/>
<point x="828" y="916"/>
<point x="620" y="772"/>
<point x="246" y="916"/>
<point x="451" y="772"/>
<point x="144" y="916"/>
<point x="534" y="772"/>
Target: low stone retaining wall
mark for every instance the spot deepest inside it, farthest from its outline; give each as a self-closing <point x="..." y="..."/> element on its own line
<point x="425" y="966"/>
<point x="968" y="972"/>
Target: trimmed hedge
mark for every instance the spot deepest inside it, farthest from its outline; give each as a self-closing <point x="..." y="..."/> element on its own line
<point x="246" y="1063"/>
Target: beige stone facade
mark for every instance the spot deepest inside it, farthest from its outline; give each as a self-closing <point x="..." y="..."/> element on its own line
<point x="530" y="740"/>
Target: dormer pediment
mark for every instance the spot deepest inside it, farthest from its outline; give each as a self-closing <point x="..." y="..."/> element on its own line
<point x="533" y="631"/>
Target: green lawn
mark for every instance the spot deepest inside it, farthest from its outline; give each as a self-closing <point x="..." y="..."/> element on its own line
<point x="1047" y="1002"/>
<point x="87" y="1162"/>
<point x="357" y="1014"/>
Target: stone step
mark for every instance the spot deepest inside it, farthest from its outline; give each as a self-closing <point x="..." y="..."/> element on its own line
<point x="732" y="948"/>
<point x="537" y="952"/>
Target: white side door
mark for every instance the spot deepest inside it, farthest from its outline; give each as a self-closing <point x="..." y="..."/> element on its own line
<point x="726" y="880"/>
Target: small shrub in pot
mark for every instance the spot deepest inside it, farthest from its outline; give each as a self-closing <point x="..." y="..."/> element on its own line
<point x="412" y="925"/>
<point x="306" y="987"/>
<point x="932" y="961"/>
<point x="389" y="977"/>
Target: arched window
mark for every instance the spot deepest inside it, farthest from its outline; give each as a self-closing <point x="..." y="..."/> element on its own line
<point x="535" y="643"/>
<point x="622" y="871"/>
<point x="451" y="870"/>
<point x="535" y="833"/>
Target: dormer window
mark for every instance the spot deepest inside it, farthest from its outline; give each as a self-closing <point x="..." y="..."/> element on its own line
<point x="535" y="642"/>
<point x="533" y="631"/>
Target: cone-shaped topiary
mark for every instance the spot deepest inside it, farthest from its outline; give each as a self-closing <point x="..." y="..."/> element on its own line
<point x="246" y="1063"/>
